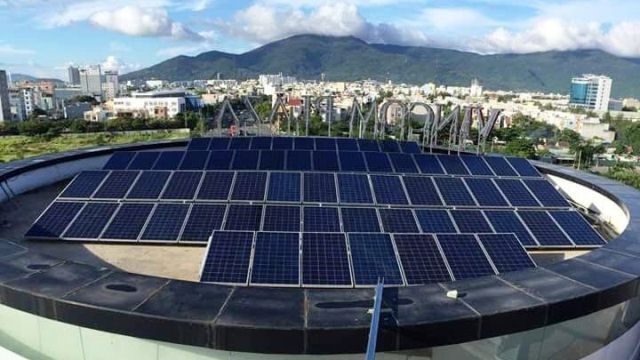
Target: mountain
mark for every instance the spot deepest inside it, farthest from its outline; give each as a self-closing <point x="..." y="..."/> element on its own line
<point x="349" y="58"/>
<point x="24" y="77"/>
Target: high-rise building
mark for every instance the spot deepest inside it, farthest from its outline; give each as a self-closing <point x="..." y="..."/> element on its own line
<point x="91" y="80"/>
<point x="74" y="75"/>
<point x="111" y="85"/>
<point x="5" y="106"/>
<point x="590" y="92"/>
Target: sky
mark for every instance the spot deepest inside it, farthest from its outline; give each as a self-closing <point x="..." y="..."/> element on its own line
<point x="43" y="37"/>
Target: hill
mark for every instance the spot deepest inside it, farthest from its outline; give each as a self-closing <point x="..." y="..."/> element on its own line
<point x="349" y="58"/>
<point x="24" y="77"/>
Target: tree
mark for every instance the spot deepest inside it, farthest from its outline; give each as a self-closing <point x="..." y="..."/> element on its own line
<point x="521" y="147"/>
<point x="585" y="151"/>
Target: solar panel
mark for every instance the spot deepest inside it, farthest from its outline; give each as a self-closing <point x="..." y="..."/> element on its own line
<point x="271" y="160"/>
<point x="321" y="219"/>
<point x="500" y="166"/>
<point x="202" y="221"/>
<point x="544" y="228"/>
<point x="215" y="186"/>
<point x="506" y="252"/>
<point x="303" y="143"/>
<point x="320" y="188"/>
<point x="373" y="257"/>
<point x="84" y="184"/>
<point x="324" y="143"/>
<point x="421" y="259"/>
<point x="281" y="218"/>
<point x="368" y="145"/>
<point x="228" y="258"/>
<point x="299" y="160"/>
<point x="410" y="147"/>
<point x="282" y="143"/>
<point x="435" y="221"/>
<point x="403" y="163"/>
<point x="119" y="160"/>
<point x="182" y="185"/>
<point x="325" y="161"/>
<point x="454" y="192"/>
<point x="509" y="222"/>
<point x="220" y="160"/>
<point x="471" y="221"/>
<point x="276" y="259"/>
<point x="194" y="160"/>
<point x="219" y="143"/>
<point x="149" y="185"/>
<point x="249" y="186"/>
<point x="245" y="160"/>
<point x="577" y="228"/>
<point x="485" y="192"/>
<point x="347" y="144"/>
<point x="378" y="162"/>
<point x="165" y="223"/>
<point x="261" y="143"/>
<point x="452" y="164"/>
<point x="284" y="187"/>
<point x="464" y="256"/>
<point x="354" y="189"/>
<point x="476" y="165"/>
<point x="144" y="160"/>
<point x="51" y="224"/>
<point x="398" y="221"/>
<point x="388" y="190"/>
<point x="428" y="164"/>
<point x="240" y="143"/>
<point x="516" y="192"/>
<point x="523" y="166"/>
<point x="546" y="193"/>
<point x="89" y="223"/>
<point x="128" y="222"/>
<point x="243" y="217"/>
<point x="116" y="185"/>
<point x="199" y="144"/>
<point x="389" y="146"/>
<point x="324" y="260"/>
<point x="421" y="190"/>
<point x="360" y="219"/>
<point x="351" y="161"/>
<point x="169" y="160"/>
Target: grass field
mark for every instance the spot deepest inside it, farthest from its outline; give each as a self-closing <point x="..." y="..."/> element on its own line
<point x="21" y="147"/>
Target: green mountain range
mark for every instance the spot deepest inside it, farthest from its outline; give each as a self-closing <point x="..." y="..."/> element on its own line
<point x="347" y="58"/>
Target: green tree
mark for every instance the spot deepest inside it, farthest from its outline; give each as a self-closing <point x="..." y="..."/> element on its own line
<point x="585" y="151"/>
<point x="521" y="147"/>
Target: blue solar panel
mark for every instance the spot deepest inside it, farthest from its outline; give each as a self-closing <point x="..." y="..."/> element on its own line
<point x="51" y="224"/>
<point x="544" y="228"/>
<point x="435" y="221"/>
<point x="303" y="143"/>
<point x="119" y="160"/>
<point x="546" y="193"/>
<point x="281" y="218"/>
<point x="509" y="222"/>
<point x="144" y="160"/>
<point x="373" y="258"/>
<point x="471" y="221"/>
<point x="465" y="256"/>
<point x="577" y="228"/>
<point x="324" y="260"/>
<point x="271" y="160"/>
<point x="165" y="223"/>
<point x="240" y="143"/>
<point x="351" y="161"/>
<point x="194" y="160"/>
<point x="428" y="164"/>
<point x="325" y="161"/>
<point x="116" y="185"/>
<point x="410" y="147"/>
<point x="128" y="222"/>
<point x="452" y="164"/>
<point x="421" y="259"/>
<point x="476" y="165"/>
<point x="360" y="219"/>
<point x="276" y="259"/>
<point x="403" y="163"/>
<point x="500" y="166"/>
<point x="282" y="143"/>
<point x="243" y="217"/>
<point x="90" y="222"/>
<point x="249" y="186"/>
<point x="245" y="160"/>
<point x="354" y="189"/>
<point x="378" y="162"/>
<point x="368" y="145"/>
<point x="261" y="143"/>
<point x="202" y="221"/>
<point x="228" y="257"/>
<point x="299" y="160"/>
<point x="320" y="188"/>
<point x="389" y="146"/>
<point x="346" y="144"/>
<point x="149" y="185"/>
<point x="485" y="192"/>
<point x="219" y="143"/>
<point x="516" y="192"/>
<point x="169" y="160"/>
<point x="84" y="184"/>
<point x="421" y="190"/>
<point x="398" y="221"/>
<point x="220" y="160"/>
<point x="388" y="190"/>
<point x="182" y="185"/>
<point x="199" y="144"/>
<point x="323" y="143"/>
<point x="215" y="186"/>
<point x="284" y="187"/>
<point x="506" y="252"/>
<point x="523" y="166"/>
<point x="454" y="192"/>
<point x="321" y="219"/>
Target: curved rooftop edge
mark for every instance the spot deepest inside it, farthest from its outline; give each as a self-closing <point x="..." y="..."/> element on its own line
<point x="318" y="321"/>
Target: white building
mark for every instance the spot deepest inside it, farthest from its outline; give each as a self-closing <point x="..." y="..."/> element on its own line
<point x="110" y="87"/>
<point x="475" y="91"/>
<point x="18" y="112"/>
<point x="91" y="80"/>
<point x="272" y="84"/>
<point x="5" y="106"/>
<point x="591" y="92"/>
<point x="160" y="104"/>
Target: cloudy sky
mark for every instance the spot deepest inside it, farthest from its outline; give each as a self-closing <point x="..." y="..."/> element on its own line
<point x="43" y="37"/>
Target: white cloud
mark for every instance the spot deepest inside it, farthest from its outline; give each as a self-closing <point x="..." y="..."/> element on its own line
<point x="113" y="63"/>
<point x="10" y="50"/>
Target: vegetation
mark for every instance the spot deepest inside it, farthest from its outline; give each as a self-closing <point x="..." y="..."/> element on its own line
<point x="625" y="173"/>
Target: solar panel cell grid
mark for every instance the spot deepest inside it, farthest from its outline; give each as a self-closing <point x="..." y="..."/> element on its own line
<point x="182" y="185"/>
<point x="485" y="192"/>
<point x="454" y="192"/>
<point x="243" y="217"/>
<point x="476" y="165"/>
<point x="508" y="222"/>
<point x="410" y="147"/>
<point x="249" y="186"/>
<point x="284" y="187"/>
<point x="276" y="259"/>
<point x="577" y="228"/>
<point x="347" y="144"/>
<point x="398" y="221"/>
<point x="465" y="256"/>
<point x="240" y="143"/>
<point x="421" y="190"/>
<point x="116" y="185"/>
<point x="299" y="160"/>
<point x="544" y="228"/>
<point x="282" y="143"/>
<point x="500" y="166"/>
<point x="523" y="167"/>
<point x="546" y="193"/>
<point x="272" y="160"/>
<point x="165" y="223"/>
<point x="325" y="161"/>
<point x="516" y="192"/>
<point x="169" y="160"/>
<point x="389" y="146"/>
<point x="323" y="143"/>
<point x="215" y="186"/>
<point x="360" y="219"/>
<point x="199" y="144"/>
<point x="144" y="160"/>
<point x="149" y="185"/>
<point x="128" y="222"/>
<point x="261" y="143"/>
<point x="84" y="184"/>
<point x="321" y="219"/>
<point x="421" y="259"/>
<point x="388" y="190"/>
<point x="320" y="188"/>
<point x="202" y="221"/>
<point x="351" y="161"/>
<point x="245" y="160"/>
<point x="435" y="221"/>
<point x="452" y="164"/>
<point x="354" y="189"/>
<point x="506" y="252"/>
<point x="324" y="260"/>
<point x="403" y="163"/>
<point x="89" y="223"/>
<point x="428" y="164"/>
<point x="228" y="258"/>
<point x="471" y="221"/>
<point x="303" y="143"/>
<point x="51" y="224"/>
<point x="219" y="143"/>
<point x="374" y="258"/>
<point x="281" y="218"/>
<point x="378" y="162"/>
<point x="119" y="160"/>
<point x="194" y="160"/>
<point x="368" y="145"/>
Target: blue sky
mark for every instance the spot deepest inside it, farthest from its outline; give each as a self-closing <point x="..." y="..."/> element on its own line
<point x="43" y="37"/>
